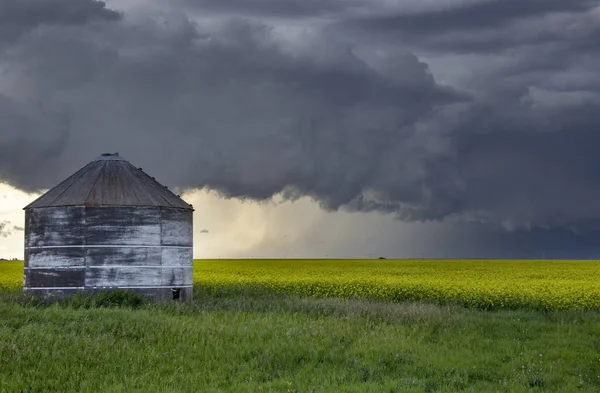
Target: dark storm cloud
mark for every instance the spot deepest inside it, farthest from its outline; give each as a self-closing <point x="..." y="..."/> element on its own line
<point x="474" y="15"/>
<point x="278" y="8"/>
<point x="31" y="138"/>
<point x="244" y="113"/>
<point x="482" y="241"/>
<point x="486" y="25"/>
<point x="252" y="110"/>
<point x="28" y="127"/>
<point x="458" y="25"/>
<point x="491" y="41"/>
<point x="538" y="169"/>
<point x="21" y="16"/>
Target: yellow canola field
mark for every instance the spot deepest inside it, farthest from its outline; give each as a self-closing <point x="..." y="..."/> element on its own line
<point x="489" y="284"/>
<point x="541" y="284"/>
<point x="11" y="275"/>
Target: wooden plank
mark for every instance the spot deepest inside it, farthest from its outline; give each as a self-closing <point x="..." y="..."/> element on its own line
<point x="176" y="228"/>
<point x="123" y="226"/>
<point x="135" y="276"/>
<point x="54" y="226"/>
<point x="52" y="293"/>
<point x="176" y="257"/>
<point x="55" y="277"/>
<point x="55" y="257"/>
<point x="188" y="276"/>
<point x="165" y="293"/>
<point x="123" y="256"/>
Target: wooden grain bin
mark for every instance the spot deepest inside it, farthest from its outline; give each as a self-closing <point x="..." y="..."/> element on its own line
<point x="108" y="226"/>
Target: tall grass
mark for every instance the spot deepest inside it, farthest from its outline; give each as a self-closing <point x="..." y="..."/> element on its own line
<point x="283" y="343"/>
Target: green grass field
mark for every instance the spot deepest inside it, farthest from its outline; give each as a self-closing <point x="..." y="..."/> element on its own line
<point x="248" y="337"/>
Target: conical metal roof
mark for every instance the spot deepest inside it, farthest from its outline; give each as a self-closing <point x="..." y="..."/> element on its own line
<point x="109" y="180"/>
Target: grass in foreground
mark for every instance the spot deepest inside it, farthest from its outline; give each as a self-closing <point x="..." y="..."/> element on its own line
<point x="265" y="342"/>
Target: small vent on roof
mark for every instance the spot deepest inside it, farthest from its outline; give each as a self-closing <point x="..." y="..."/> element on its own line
<point x="110" y="154"/>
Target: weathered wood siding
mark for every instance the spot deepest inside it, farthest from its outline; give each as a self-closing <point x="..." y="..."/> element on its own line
<point x="147" y="249"/>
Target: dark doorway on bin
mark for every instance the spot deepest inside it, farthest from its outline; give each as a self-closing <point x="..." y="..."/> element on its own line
<point x="175" y="292"/>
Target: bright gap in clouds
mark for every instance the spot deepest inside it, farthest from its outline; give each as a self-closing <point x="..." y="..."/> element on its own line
<point x="12" y="215"/>
<point x="232" y="228"/>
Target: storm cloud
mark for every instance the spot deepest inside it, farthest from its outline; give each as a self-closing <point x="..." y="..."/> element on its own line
<point x="475" y="15"/>
<point x="481" y="111"/>
<point x="19" y="17"/>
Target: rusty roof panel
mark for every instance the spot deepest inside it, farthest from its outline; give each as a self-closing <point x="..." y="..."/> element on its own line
<point x="109" y="181"/>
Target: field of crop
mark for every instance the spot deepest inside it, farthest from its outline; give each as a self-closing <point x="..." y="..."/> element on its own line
<point x="487" y="284"/>
<point x="11" y="275"/>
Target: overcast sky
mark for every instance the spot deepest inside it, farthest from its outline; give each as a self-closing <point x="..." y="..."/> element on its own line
<point x="408" y="128"/>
